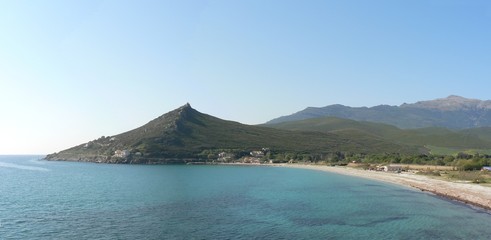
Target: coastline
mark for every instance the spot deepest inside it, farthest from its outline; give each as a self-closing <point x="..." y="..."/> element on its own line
<point x="467" y="193"/>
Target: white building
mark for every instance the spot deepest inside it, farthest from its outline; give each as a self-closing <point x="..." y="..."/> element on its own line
<point x="393" y="168"/>
<point x="223" y="156"/>
<point x="257" y="154"/>
<point x="121" y="153"/>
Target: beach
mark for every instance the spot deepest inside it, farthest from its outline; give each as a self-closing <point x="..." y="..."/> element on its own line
<point x="468" y="193"/>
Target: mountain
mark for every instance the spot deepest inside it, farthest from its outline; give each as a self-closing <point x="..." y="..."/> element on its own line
<point x="453" y="112"/>
<point x="451" y="103"/>
<point x="479" y="138"/>
<point x="185" y="134"/>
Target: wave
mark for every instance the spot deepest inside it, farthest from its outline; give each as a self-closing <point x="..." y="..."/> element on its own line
<point x="37" y="161"/>
<point x="23" y="167"/>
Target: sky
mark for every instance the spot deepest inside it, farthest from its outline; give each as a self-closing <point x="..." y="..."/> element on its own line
<point x="72" y="71"/>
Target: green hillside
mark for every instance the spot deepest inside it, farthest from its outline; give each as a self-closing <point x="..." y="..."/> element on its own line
<point x="188" y="134"/>
<point x="439" y="137"/>
<point x="482" y="132"/>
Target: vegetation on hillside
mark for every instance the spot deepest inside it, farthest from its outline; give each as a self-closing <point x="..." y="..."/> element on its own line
<point x="188" y="134"/>
<point x="435" y="137"/>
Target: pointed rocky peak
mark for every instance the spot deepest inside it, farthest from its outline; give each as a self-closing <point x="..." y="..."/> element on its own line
<point x="185" y="111"/>
<point x="182" y="116"/>
<point x="172" y="119"/>
<point x="176" y="113"/>
<point x="186" y="106"/>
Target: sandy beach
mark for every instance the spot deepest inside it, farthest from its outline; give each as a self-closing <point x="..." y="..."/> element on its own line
<point x="473" y="194"/>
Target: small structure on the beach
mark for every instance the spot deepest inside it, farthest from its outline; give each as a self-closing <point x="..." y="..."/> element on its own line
<point x="251" y="160"/>
<point x="486" y="168"/>
<point x="393" y="168"/>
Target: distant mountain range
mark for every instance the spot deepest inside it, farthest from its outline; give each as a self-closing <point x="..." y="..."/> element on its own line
<point x="453" y="112"/>
<point x="185" y="135"/>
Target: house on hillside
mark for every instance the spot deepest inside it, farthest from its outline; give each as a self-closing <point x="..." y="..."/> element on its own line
<point x="257" y="154"/>
<point x="225" y="157"/>
<point x="121" y="153"/>
<point x="486" y="168"/>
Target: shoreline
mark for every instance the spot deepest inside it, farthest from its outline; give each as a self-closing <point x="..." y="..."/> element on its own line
<point x="467" y="193"/>
<point x="471" y="194"/>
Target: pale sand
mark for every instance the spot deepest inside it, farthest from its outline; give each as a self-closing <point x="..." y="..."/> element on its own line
<point x="473" y="194"/>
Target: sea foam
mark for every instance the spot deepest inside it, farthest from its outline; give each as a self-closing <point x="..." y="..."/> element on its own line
<point x="23" y="167"/>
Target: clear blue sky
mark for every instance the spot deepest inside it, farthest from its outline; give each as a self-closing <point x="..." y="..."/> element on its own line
<point x="72" y="71"/>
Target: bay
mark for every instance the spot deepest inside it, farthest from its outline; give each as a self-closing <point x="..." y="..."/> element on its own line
<point x="69" y="200"/>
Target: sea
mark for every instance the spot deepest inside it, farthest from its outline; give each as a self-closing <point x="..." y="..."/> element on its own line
<point x="71" y="200"/>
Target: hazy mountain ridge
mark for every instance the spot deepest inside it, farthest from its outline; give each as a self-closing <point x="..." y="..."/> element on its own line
<point x="451" y="103"/>
<point x="453" y="112"/>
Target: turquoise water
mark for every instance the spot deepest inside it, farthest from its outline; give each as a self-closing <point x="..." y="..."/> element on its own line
<point x="66" y="200"/>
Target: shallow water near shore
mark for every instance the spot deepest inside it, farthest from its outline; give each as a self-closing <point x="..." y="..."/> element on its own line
<point x="67" y="200"/>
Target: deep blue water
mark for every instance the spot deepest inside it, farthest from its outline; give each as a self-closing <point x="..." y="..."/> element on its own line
<point x="66" y="200"/>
